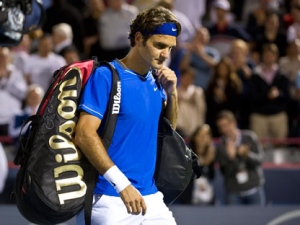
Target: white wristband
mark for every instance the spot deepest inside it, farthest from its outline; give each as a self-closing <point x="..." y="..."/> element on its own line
<point x="117" y="179"/>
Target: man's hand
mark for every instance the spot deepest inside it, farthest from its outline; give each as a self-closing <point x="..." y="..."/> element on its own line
<point x="133" y="200"/>
<point x="168" y="79"/>
<point x="273" y="93"/>
<point x="219" y="94"/>
<point x="243" y="150"/>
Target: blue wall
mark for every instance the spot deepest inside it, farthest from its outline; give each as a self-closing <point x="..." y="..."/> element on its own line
<point x="282" y="186"/>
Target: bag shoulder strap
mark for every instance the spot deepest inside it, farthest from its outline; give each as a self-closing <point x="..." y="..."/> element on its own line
<point x="108" y="132"/>
<point x="111" y="120"/>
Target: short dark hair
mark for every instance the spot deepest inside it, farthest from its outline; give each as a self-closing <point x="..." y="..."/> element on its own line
<point x="226" y="114"/>
<point x="70" y="48"/>
<point x="147" y="20"/>
<point x="188" y="70"/>
<point x="270" y="47"/>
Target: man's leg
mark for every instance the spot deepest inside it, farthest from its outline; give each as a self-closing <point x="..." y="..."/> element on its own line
<point x="258" y="123"/>
<point x="109" y="210"/>
<point x="257" y="198"/>
<point x="157" y="211"/>
<point x="233" y="199"/>
<point x="279" y="125"/>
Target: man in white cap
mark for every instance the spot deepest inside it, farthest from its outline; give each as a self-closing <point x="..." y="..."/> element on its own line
<point x="223" y="31"/>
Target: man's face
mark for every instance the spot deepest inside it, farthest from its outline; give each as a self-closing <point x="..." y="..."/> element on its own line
<point x="71" y="57"/>
<point x="225" y="126"/>
<point x="221" y="13"/>
<point x="269" y="58"/>
<point x="157" y="50"/>
<point x="45" y="45"/>
<point x="115" y="4"/>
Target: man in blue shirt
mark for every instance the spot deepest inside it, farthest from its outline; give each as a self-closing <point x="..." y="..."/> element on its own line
<point x="126" y="192"/>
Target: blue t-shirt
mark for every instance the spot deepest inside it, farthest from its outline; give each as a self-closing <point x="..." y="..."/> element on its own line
<point x="133" y="147"/>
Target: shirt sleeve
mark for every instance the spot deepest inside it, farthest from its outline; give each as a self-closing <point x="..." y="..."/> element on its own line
<point x="96" y="93"/>
<point x="16" y="85"/>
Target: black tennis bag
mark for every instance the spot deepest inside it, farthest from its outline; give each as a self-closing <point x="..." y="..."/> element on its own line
<point x="176" y="164"/>
<point x="55" y="180"/>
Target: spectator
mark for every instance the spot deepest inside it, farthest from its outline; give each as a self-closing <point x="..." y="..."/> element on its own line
<point x="240" y="155"/>
<point x="255" y="21"/>
<point x="223" y="92"/>
<point x="62" y="37"/>
<point x="188" y="30"/>
<point x="195" y="9"/>
<point x="3" y="168"/>
<point x="71" y="54"/>
<point x="95" y="9"/>
<point x="287" y="16"/>
<point x="20" y="53"/>
<point x="223" y="31"/>
<point x="12" y="90"/>
<point x="269" y="96"/>
<point x="200" y="191"/>
<point x="191" y="104"/>
<point x="62" y="12"/>
<point x="201" y="57"/>
<point x="289" y="65"/>
<point x="33" y="99"/>
<point x="113" y="30"/>
<point x="203" y="145"/>
<point x="293" y="30"/>
<point x="212" y="14"/>
<point x="271" y="33"/>
<point x="41" y="65"/>
<point x="142" y="4"/>
<point x="243" y="67"/>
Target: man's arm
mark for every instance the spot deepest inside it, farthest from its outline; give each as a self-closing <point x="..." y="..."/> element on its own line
<point x="168" y="80"/>
<point x="171" y="108"/>
<point x="255" y="154"/>
<point x="91" y="145"/>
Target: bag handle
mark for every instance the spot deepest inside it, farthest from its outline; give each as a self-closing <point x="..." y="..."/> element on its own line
<point x="23" y="142"/>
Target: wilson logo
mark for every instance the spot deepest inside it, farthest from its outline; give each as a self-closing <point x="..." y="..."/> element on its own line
<point x="117" y="100"/>
<point x="67" y="173"/>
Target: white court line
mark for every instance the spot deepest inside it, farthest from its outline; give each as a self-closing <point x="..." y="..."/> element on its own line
<point x="285" y="217"/>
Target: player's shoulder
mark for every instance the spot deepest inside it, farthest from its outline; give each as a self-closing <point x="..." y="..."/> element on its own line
<point x="103" y="70"/>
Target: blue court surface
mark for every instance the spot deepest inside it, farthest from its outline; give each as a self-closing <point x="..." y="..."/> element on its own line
<point x="196" y="215"/>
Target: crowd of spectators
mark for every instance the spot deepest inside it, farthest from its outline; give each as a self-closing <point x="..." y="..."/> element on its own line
<point x="230" y="56"/>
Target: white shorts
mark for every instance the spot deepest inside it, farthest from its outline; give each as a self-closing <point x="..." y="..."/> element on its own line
<point x="110" y="210"/>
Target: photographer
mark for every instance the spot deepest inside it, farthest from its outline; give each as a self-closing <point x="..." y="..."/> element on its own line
<point x="240" y="155"/>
